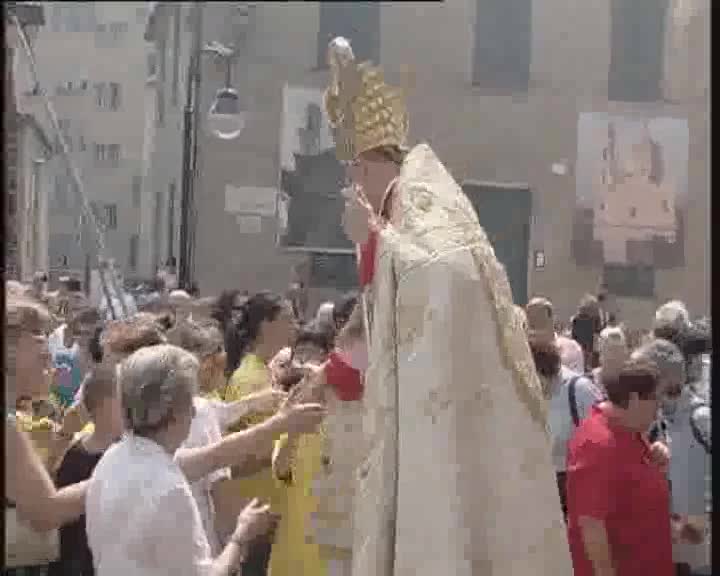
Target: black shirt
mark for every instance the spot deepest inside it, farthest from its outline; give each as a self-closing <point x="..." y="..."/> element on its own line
<point x="75" y="556"/>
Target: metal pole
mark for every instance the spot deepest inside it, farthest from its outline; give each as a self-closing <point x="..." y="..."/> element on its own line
<point x="188" y="161"/>
<point x="196" y="123"/>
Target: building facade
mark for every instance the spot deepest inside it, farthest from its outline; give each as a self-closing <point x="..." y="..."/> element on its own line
<point x="498" y="88"/>
<point x="90" y="58"/>
<point x="29" y="157"/>
<point x="37" y="166"/>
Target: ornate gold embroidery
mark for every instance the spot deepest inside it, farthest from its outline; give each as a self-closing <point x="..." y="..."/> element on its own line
<point x="423" y="232"/>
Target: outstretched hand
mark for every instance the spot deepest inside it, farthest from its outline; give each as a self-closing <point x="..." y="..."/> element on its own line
<point x="266" y="401"/>
<point x="359" y="218"/>
<point x="254" y="520"/>
<point x="301" y="409"/>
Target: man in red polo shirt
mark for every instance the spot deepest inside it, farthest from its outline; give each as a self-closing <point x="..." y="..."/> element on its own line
<point x="619" y="520"/>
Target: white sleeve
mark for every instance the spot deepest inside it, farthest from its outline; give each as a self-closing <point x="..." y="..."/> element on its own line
<point x="228" y="413"/>
<point x="180" y="545"/>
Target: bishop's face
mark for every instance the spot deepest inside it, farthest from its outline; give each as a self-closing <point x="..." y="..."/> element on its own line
<point x="370" y="175"/>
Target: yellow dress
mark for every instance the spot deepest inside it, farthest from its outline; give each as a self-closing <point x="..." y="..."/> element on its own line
<point x="253" y="376"/>
<point x="295" y="552"/>
<point x="40" y="430"/>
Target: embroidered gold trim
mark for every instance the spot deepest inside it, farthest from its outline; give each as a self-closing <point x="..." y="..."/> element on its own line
<point x="427" y="226"/>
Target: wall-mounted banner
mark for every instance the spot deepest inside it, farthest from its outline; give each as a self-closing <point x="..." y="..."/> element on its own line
<point x="311" y="176"/>
<point x="632" y="191"/>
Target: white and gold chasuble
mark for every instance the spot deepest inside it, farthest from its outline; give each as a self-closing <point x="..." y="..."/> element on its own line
<point x="332" y="526"/>
<point x="457" y="477"/>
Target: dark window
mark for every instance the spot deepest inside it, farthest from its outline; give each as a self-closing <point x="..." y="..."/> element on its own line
<point x="136" y="190"/>
<point x="503" y="42"/>
<point x="118" y="30"/>
<point x="314" y="192"/>
<point x="113" y="154"/>
<point x="100" y="154"/>
<point x="337" y="271"/>
<point x="505" y="214"/>
<point x="160" y="102"/>
<point x="666" y="206"/>
<point x="115" y="99"/>
<point x="629" y="281"/>
<point x="151" y="64"/>
<point x="111" y="216"/>
<point x="12" y="203"/>
<point x="633" y="212"/>
<point x="133" y="255"/>
<point x="100" y="95"/>
<point x="359" y="22"/>
<point x="637" y="50"/>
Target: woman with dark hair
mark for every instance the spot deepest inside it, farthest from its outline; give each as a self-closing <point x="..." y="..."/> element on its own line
<point x="227" y="307"/>
<point x="570" y="397"/>
<point x="586" y="327"/>
<point x="224" y="306"/>
<point x="264" y="325"/>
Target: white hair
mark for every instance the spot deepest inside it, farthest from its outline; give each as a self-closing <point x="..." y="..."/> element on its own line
<point x="325" y="313"/>
<point x="612" y="337"/>
<point x="672" y="318"/>
<point x="154" y="381"/>
<point x="666" y="356"/>
<point x="179" y="297"/>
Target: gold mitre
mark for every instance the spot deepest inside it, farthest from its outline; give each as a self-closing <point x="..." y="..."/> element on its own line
<point x="364" y="112"/>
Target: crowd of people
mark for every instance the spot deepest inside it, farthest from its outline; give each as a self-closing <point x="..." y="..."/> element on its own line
<point x="188" y="440"/>
<point x="631" y="438"/>
<point x="198" y="422"/>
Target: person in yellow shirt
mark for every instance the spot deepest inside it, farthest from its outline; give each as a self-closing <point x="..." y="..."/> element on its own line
<point x="297" y="462"/>
<point x="264" y="325"/>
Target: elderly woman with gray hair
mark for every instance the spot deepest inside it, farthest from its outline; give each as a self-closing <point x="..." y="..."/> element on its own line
<point x="686" y="423"/>
<point x="142" y="518"/>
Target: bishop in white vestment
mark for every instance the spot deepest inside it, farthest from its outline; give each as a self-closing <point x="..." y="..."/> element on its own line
<point x="456" y="477"/>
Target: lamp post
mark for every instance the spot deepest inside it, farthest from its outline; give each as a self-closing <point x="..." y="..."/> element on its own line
<point x="189" y="136"/>
<point x="225" y="121"/>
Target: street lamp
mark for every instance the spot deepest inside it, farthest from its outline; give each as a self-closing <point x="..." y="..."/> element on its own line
<point x="226" y="118"/>
<point x="225" y="121"/>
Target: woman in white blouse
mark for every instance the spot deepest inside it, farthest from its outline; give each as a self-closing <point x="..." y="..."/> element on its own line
<point x="142" y="518"/>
